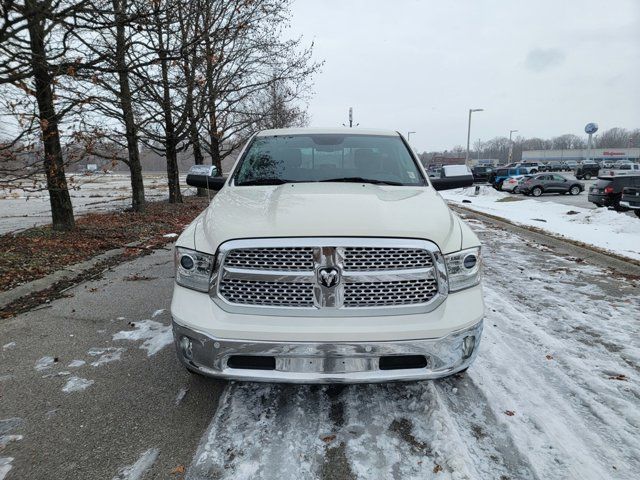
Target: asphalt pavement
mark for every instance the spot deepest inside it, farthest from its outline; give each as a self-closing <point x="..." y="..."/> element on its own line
<point x="90" y="388"/>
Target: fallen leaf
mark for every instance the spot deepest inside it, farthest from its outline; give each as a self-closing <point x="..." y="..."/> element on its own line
<point x="510" y="413"/>
<point x="177" y="470"/>
<point x="549" y="357"/>
<point x="620" y="377"/>
<point x="328" y="438"/>
<point x="437" y="468"/>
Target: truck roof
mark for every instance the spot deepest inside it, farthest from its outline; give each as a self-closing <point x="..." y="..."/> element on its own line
<point x="331" y="131"/>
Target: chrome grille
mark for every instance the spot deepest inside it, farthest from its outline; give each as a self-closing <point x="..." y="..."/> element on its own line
<point x="376" y="258"/>
<point x="276" y="294"/>
<point x="376" y="276"/>
<point x="408" y="292"/>
<point x="294" y="258"/>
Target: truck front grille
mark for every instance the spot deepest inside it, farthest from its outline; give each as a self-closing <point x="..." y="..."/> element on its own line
<point x="384" y="294"/>
<point x="329" y="276"/>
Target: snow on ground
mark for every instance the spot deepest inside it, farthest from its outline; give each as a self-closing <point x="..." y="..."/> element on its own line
<point x="76" y="363"/>
<point x="9" y="346"/>
<point x="76" y="384"/>
<point x="7" y="425"/>
<point x="5" y="466"/>
<point x="553" y="393"/>
<point x="44" y="363"/>
<point x="140" y="467"/>
<point x="106" y="355"/>
<point x="601" y="227"/>
<point x="21" y="208"/>
<point x="156" y="335"/>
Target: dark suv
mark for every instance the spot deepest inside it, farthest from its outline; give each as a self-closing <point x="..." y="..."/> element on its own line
<point x="481" y="173"/>
<point x="607" y="191"/>
<point x="550" y="183"/>
<point x="587" y="171"/>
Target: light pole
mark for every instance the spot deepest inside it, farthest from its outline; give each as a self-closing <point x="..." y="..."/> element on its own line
<point x="409" y="136"/>
<point x="511" y="145"/>
<point x="471" y="110"/>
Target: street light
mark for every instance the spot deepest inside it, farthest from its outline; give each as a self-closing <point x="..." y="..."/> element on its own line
<point x="511" y="132"/>
<point x="471" y="110"/>
<point x="409" y="136"/>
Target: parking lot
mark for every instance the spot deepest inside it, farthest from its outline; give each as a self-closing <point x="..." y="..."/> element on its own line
<point x="108" y="399"/>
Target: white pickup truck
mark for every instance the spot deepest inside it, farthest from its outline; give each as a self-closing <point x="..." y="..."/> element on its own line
<point x="326" y="256"/>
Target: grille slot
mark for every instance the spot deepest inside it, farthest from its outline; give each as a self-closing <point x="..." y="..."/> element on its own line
<point x="290" y="258"/>
<point x="407" y="292"/>
<point x="276" y="294"/>
<point x="380" y="258"/>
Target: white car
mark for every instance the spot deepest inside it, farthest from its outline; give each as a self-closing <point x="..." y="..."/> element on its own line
<point x="511" y="184"/>
<point x="326" y="256"/>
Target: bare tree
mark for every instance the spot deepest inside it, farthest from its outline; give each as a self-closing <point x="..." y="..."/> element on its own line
<point x="34" y="52"/>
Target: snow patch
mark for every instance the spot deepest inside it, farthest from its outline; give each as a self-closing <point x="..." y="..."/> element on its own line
<point x="76" y="384"/>
<point x="107" y="355"/>
<point x="156" y="335"/>
<point x="157" y="312"/>
<point x="599" y="227"/>
<point x="181" y="394"/>
<point x="170" y="235"/>
<point x="138" y="469"/>
<point x="9" y="346"/>
<point x="6" y="439"/>
<point x="77" y="363"/>
<point x="5" y="466"/>
<point x="44" y="363"/>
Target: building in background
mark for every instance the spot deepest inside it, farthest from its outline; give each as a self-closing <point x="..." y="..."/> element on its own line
<point x="580" y="155"/>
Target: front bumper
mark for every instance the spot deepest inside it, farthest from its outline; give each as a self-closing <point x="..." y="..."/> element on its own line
<point x="630" y="205"/>
<point x="336" y="362"/>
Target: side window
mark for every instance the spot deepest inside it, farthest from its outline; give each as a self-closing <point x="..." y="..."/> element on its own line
<point x="559" y="178"/>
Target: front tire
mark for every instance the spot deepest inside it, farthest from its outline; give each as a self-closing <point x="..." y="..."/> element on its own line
<point x="536" y="191"/>
<point x="587" y="176"/>
<point x="575" y="190"/>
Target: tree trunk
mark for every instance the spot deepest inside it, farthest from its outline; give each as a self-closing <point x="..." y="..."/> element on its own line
<point x="173" y="178"/>
<point x="61" y="207"/>
<point x="137" y="184"/>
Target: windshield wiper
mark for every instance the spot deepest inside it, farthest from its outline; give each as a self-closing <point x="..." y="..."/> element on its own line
<point x="362" y="180"/>
<point x="266" y="181"/>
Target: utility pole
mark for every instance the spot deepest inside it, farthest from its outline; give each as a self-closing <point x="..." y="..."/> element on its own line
<point x="511" y="145"/>
<point x="471" y="110"/>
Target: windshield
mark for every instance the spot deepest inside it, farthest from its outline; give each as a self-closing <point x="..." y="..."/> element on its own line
<point x="326" y="158"/>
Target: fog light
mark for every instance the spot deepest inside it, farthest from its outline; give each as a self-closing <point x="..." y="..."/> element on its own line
<point x="468" y="345"/>
<point x="186" y="347"/>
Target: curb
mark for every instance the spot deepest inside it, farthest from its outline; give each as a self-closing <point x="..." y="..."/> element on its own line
<point x="67" y="273"/>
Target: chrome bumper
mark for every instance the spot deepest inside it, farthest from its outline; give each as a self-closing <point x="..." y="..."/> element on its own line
<point x="343" y="362"/>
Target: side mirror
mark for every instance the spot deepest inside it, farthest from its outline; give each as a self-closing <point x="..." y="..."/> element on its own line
<point x="205" y="176"/>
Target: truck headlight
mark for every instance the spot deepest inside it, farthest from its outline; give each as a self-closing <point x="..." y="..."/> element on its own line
<point x="193" y="269"/>
<point x="463" y="268"/>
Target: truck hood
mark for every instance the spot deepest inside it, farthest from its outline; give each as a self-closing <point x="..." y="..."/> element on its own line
<point x="323" y="209"/>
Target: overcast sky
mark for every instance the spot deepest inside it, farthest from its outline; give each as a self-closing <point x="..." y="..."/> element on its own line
<point x="544" y="67"/>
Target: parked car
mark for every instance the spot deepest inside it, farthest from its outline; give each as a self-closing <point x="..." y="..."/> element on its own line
<point x="481" y="173"/>
<point x="501" y="174"/>
<point x="536" y="185"/>
<point x="631" y="199"/>
<point x="305" y="268"/>
<point x="530" y="167"/>
<point x="587" y="171"/>
<point x="512" y="184"/>
<point x="607" y="191"/>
